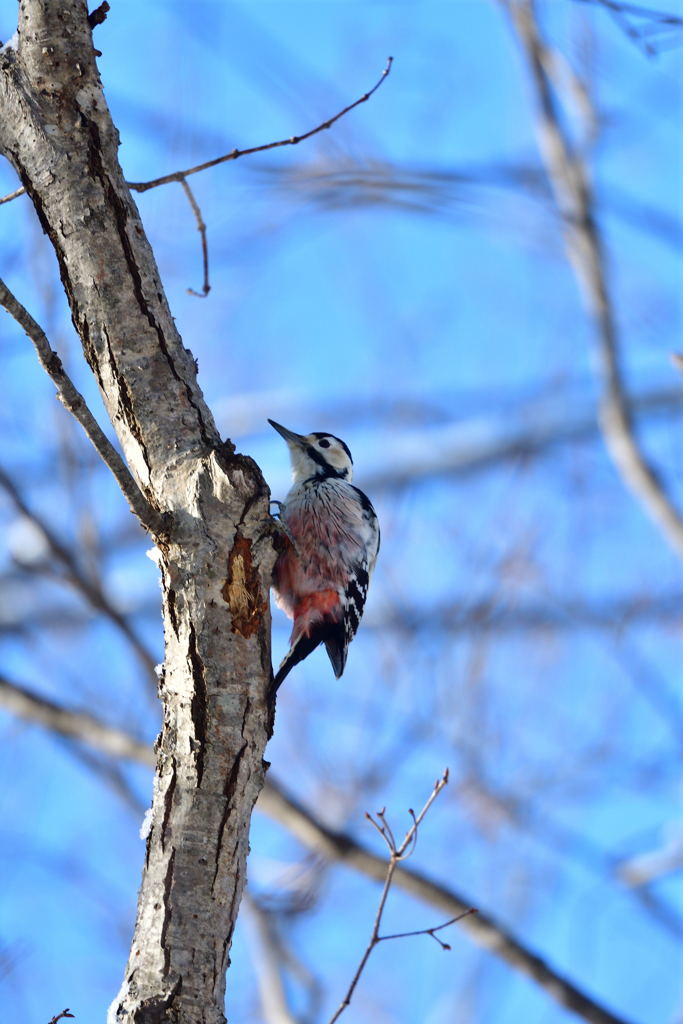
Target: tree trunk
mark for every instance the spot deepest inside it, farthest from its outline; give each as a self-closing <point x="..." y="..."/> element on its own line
<point x="217" y="552"/>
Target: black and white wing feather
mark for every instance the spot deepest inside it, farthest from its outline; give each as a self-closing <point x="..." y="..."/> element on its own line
<point x="356" y="590"/>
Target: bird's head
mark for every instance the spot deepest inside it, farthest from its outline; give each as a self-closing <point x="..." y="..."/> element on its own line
<point x="317" y="454"/>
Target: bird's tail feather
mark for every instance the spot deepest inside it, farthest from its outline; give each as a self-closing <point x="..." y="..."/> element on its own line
<point x="336" y="649"/>
<point x="296" y="653"/>
<point x="332" y="635"/>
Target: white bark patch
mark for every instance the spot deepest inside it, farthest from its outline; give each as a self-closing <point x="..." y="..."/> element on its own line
<point x="146" y="824"/>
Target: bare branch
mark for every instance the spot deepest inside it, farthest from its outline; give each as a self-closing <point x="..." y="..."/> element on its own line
<point x="430" y="931"/>
<point x="457" y="449"/>
<point x="331" y="844"/>
<point x="27" y="704"/>
<point x="12" y="195"/>
<point x="73" y="400"/>
<point x="573" y="195"/>
<point x="269" y="966"/>
<point x="294" y="140"/>
<point x="59" y="1016"/>
<point x="550" y="613"/>
<point x="87" y="586"/>
<point x="640" y="11"/>
<point x="481" y="928"/>
<point x="650" y="20"/>
<point x="235" y="154"/>
<point x="201" y="228"/>
<point x="396" y="855"/>
<point x="619" y="15"/>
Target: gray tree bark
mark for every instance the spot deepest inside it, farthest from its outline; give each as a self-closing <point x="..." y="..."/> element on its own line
<point x="216" y="549"/>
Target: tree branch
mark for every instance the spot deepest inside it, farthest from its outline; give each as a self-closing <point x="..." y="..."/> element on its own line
<point x="73" y="400"/>
<point x="283" y="808"/>
<point x="235" y="154"/>
<point x="13" y="195"/>
<point x="429" y="931"/>
<point x="269" y="966"/>
<point x="79" y="725"/>
<point x="201" y="228"/>
<point x="294" y="140"/>
<point x="396" y="855"/>
<point x="652" y="21"/>
<point x="90" y="589"/>
<point x="481" y="928"/>
<point x="574" y="197"/>
<point x="457" y="449"/>
<point x="60" y="1016"/>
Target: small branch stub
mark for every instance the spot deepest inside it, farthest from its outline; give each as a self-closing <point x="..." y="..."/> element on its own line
<point x="99" y="15"/>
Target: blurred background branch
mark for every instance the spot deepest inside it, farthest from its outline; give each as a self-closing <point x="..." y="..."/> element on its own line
<point x="330" y="844"/>
<point x="570" y="180"/>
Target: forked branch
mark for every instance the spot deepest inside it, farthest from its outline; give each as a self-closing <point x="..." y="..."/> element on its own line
<point x="570" y="181"/>
<point x="235" y="154"/>
<point x="640" y="23"/>
<point x="181" y="176"/>
<point x="89" y="587"/>
<point x="331" y="845"/>
<point x="397" y="853"/>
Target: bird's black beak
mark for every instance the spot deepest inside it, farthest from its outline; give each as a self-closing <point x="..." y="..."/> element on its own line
<point x="290" y="437"/>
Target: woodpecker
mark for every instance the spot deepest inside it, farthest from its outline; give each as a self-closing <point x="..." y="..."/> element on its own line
<point x="321" y="580"/>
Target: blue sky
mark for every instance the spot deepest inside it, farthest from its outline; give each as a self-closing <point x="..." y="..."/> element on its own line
<point x="401" y="281"/>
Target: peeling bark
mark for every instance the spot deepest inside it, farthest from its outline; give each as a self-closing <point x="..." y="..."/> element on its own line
<point x="216" y="557"/>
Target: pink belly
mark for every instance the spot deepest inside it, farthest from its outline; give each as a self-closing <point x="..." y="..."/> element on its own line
<point x="313" y="567"/>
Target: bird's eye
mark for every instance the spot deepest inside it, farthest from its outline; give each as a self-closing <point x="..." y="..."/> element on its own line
<point x="324" y="443"/>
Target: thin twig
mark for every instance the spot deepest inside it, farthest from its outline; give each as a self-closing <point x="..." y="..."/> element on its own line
<point x="59" y="1016"/>
<point x="661" y="17"/>
<point x="481" y="928"/>
<point x="431" y="931"/>
<point x="632" y="33"/>
<point x="370" y="946"/>
<point x="651" y="21"/>
<point x="201" y="228"/>
<point x="280" y="806"/>
<point x="235" y="154"/>
<point x="73" y="400"/>
<point x="396" y="855"/>
<point x="574" y="198"/>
